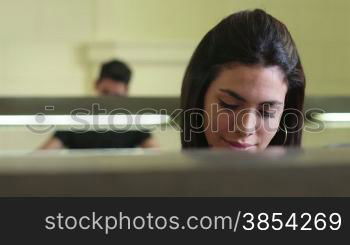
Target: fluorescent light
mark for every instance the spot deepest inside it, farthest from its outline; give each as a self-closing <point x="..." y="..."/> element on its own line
<point x="333" y="117"/>
<point x="44" y="120"/>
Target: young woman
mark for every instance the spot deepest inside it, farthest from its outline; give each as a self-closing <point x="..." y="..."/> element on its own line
<point x="244" y="86"/>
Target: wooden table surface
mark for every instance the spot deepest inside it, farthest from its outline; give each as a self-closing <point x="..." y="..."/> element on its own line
<point x="312" y="172"/>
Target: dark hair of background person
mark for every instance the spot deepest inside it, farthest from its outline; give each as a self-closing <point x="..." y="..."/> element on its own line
<point x="248" y="38"/>
<point x="115" y="70"/>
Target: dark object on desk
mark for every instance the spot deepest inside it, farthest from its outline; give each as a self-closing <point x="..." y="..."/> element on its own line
<point x="94" y="139"/>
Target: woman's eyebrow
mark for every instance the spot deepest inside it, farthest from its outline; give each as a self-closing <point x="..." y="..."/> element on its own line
<point x="239" y="97"/>
<point x="233" y="94"/>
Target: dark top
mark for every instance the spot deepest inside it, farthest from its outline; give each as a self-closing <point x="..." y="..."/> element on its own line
<point x="109" y="139"/>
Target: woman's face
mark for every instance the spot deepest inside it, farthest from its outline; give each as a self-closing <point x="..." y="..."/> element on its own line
<point x="243" y="106"/>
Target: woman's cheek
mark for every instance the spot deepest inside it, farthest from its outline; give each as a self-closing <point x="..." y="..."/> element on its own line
<point x="209" y="125"/>
<point x="225" y="123"/>
<point x="268" y="130"/>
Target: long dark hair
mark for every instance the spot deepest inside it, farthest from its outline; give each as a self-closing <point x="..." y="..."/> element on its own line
<point x="249" y="38"/>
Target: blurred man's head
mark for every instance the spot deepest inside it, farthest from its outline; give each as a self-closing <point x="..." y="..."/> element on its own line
<point x="113" y="79"/>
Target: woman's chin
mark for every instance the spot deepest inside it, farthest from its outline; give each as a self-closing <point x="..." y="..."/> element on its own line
<point x="251" y="149"/>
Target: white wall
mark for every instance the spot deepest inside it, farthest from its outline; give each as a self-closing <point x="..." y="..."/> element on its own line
<point x="45" y="44"/>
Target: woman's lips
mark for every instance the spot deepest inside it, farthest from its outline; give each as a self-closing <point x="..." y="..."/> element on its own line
<point x="239" y="145"/>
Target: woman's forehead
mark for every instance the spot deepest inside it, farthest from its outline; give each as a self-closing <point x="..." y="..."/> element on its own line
<point x="253" y="83"/>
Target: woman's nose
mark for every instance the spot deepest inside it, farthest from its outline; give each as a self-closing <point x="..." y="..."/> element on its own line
<point x="246" y="123"/>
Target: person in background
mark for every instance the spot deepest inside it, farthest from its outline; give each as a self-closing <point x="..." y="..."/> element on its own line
<point x="113" y="80"/>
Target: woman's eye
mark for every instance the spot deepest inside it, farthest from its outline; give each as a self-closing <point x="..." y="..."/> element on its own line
<point x="227" y="106"/>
